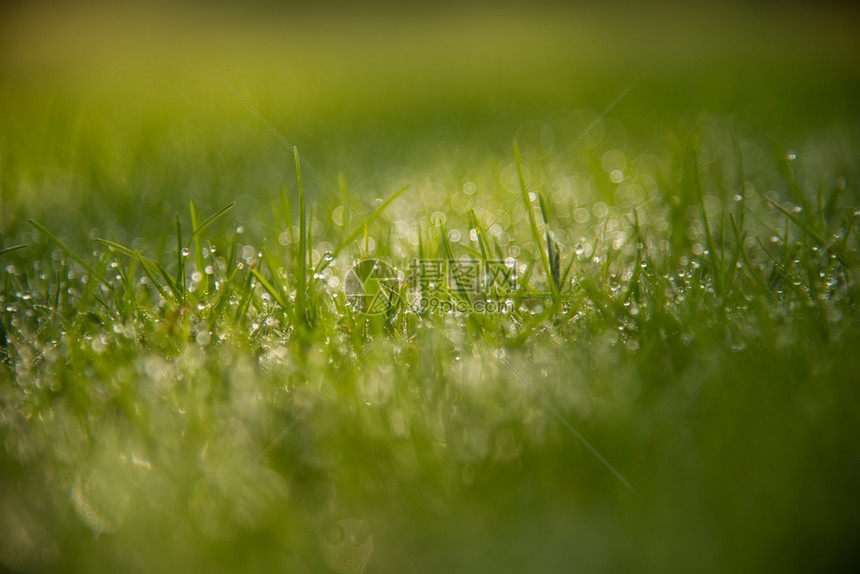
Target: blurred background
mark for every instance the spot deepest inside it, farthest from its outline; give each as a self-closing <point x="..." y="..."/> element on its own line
<point x="135" y="94"/>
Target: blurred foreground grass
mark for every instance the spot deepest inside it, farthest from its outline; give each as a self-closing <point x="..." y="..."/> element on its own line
<point x="703" y="340"/>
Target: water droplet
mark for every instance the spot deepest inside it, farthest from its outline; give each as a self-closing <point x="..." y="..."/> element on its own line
<point x="185" y="252"/>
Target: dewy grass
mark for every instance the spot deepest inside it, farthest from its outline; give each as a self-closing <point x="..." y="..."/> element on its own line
<point x="132" y="330"/>
<point x="182" y="391"/>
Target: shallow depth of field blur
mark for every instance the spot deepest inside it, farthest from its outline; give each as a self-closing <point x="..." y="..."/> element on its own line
<point x="674" y="387"/>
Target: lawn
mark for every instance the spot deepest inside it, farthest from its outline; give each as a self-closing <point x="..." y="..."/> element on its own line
<point x="521" y="288"/>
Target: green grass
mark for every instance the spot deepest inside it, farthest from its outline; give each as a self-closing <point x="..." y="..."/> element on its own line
<point x="670" y="384"/>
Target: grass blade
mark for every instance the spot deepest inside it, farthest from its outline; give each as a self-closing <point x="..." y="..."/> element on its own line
<point x="536" y="236"/>
<point x="150" y="267"/>
<point x="199" y="263"/>
<point x="198" y="229"/>
<point x="302" y="251"/>
<point x="11" y="249"/>
<point x="95" y="274"/>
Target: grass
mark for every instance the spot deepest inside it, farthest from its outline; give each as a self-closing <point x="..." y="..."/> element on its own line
<point x="667" y="381"/>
